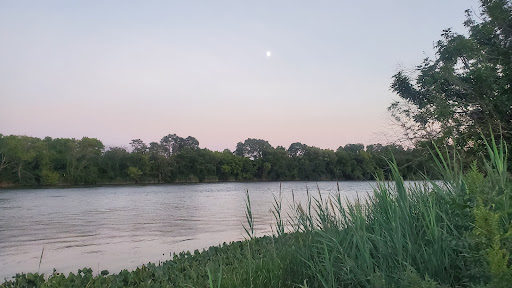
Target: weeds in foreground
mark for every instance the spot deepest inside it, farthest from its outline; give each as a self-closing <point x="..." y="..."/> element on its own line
<point x="454" y="233"/>
<point x="249" y="229"/>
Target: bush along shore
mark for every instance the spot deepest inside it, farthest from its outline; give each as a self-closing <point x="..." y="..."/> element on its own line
<point x="453" y="233"/>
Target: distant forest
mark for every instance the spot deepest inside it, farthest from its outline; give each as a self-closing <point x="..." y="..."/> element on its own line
<point x="31" y="161"/>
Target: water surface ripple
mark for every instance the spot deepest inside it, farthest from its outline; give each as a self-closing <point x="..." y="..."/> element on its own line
<point x="124" y="227"/>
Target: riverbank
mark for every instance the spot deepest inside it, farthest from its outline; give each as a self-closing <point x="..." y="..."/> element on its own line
<point x="124" y="227"/>
<point x="233" y="264"/>
<point x="4" y="186"/>
<point x="450" y="235"/>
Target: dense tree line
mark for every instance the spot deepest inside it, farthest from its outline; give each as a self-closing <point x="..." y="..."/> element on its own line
<point x="33" y="161"/>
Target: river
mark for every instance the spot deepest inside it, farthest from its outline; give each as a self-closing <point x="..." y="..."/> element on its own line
<point x="114" y="228"/>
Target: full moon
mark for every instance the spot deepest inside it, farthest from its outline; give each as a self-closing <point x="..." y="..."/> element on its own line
<point x="269" y="53"/>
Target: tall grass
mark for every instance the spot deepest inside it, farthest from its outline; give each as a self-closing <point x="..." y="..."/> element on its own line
<point x="428" y="234"/>
<point x="249" y="229"/>
<point x="379" y="240"/>
<point x="453" y="233"/>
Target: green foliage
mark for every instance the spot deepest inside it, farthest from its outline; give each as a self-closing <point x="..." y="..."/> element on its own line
<point x="451" y="233"/>
<point x="260" y="262"/>
<point x="492" y="232"/>
<point x="252" y="148"/>
<point x="134" y="173"/>
<point x="277" y="211"/>
<point x="369" y="243"/>
<point x="411" y="278"/>
<point x="465" y="89"/>
<point x="33" y="161"/>
<point x="50" y="178"/>
<point x="249" y="229"/>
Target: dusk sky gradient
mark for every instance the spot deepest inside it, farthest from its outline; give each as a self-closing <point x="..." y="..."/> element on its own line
<point x="121" y="70"/>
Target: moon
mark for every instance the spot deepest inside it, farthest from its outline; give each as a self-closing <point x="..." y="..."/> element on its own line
<point x="269" y="53"/>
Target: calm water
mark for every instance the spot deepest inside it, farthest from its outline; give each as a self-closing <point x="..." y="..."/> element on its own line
<point x="124" y="227"/>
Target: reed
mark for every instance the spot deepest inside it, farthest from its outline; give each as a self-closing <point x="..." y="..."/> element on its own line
<point x="249" y="229"/>
<point x="453" y="233"/>
<point x="40" y="259"/>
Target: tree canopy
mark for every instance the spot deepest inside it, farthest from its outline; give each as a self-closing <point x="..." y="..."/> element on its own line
<point x="466" y="89"/>
<point x="33" y="161"/>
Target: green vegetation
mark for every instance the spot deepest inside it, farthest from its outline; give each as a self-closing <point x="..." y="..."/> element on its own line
<point x="466" y="89"/>
<point x="454" y="233"/>
<point x="33" y="162"/>
<point x="451" y="233"/>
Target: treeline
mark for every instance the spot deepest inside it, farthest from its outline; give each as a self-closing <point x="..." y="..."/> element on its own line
<point x="33" y="161"/>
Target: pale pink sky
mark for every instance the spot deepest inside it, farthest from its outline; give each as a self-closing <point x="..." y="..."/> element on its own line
<point x="118" y="71"/>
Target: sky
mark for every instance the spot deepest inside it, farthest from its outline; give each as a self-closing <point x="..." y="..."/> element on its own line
<point x="122" y="70"/>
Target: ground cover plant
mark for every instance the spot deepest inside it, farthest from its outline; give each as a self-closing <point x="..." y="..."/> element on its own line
<point x="451" y="233"/>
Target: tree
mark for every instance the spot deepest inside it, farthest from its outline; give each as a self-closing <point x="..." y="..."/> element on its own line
<point x="4" y="161"/>
<point x="282" y="166"/>
<point x="297" y="149"/>
<point x="466" y="89"/>
<point x="139" y="158"/>
<point x="134" y="173"/>
<point x="82" y="156"/>
<point x="159" y="164"/>
<point x="190" y="142"/>
<point x="138" y="146"/>
<point x="170" y="144"/>
<point x="19" y="154"/>
<point x="354" y="148"/>
<point x="252" y="148"/>
<point x="115" y="163"/>
<point x="173" y="144"/>
<point x="33" y="161"/>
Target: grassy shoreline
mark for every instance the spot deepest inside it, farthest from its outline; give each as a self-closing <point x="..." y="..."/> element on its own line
<point x="454" y="234"/>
